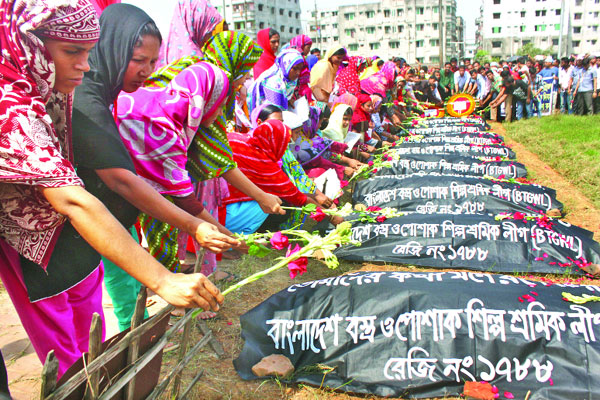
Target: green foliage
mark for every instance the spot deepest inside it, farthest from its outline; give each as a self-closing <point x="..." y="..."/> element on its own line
<point x="570" y="144"/>
<point x="482" y="56"/>
<point x="530" y="50"/>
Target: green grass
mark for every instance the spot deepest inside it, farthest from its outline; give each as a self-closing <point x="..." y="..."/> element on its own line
<point x="569" y="144"/>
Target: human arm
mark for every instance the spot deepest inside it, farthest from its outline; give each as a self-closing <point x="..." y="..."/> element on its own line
<point x="320" y="94"/>
<point x="269" y="203"/>
<point x="105" y="234"/>
<point x="140" y="194"/>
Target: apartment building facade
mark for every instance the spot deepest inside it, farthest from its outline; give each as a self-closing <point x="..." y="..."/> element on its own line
<point x="250" y="16"/>
<point x="389" y="28"/>
<point x="564" y="26"/>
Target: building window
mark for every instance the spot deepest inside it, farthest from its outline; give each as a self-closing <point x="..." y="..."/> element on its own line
<point x="353" y="47"/>
<point x="496" y="2"/>
<point x="238" y="25"/>
<point x="435" y="26"/>
<point x="388" y="29"/>
<point x="523" y="13"/>
<point x="496" y="29"/>
<point x="334" y="26"/>
<point x="540" y="13"/>
<point x="291" y="30"/>
<point x="496" y="15"/>
<point x="557" y="11"/>
<point x="595" y="28"/>
<point x="349" y="16"/>
<point x="540" y="28"/>
<point x="374" y="46"/>
<point x="335" y="38"/>
<point x="281" y="11"/>
<point x="282" y="28"/>
<point x="557" y="27"/>
<point x="297" y="15"/>
<point x="261" y="25"/>
<point x="290" y="14"/>
<point x="400" y="28"/>
<point x="370" y="29"/>
<point x="577" y="16"/>
<point x="434" y="59"/>
<point x="272" y="10"/>
<point x="260" y="7"/>
<point x="522" y="28"/>
<point x="387" y="13"/>
<point x="419" y="43"/>
<point x="370" y="14"/>
<point x="554" y="42"/>
<point x="576" y="43"/>
<point x="576" y="29"/>
<point x="496" y="44"/>
<point x="420" y="27"/>
<point x="399" y="12"/>
<point x="394" y="45"/>
<point x="420" y="10"/>
<point x="434" y="42"/>
<point x="435" y="9"/>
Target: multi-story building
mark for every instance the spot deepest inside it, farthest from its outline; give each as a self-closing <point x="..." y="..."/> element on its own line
<point x="250" y="16"/>
<point x="563" y="26"/>
<point x="389" y="28"/>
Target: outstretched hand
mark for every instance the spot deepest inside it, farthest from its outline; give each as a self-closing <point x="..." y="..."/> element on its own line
<point x="271" y="204"/>
<point x="190" y="291"/>
<point x="209" y="237"/>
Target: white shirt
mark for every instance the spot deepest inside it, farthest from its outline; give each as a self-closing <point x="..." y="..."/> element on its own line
<point x="564" y="75"/>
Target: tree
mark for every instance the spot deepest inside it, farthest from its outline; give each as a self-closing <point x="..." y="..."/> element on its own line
<point x="530" y="50"/>
<point x="482" y="57"/>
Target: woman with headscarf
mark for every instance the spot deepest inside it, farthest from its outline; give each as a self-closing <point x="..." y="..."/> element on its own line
<point x="315" y="152"/>
<point x="382" y="81"/>
<point x="277" y="84"/>
<point x="339" y="122"/>
<point x="348" y="77"/>
<point x="311" y="60"/>
<point x="373" y="68"/>
<point x="268" y="39"/>
<point x="192" y="25"/>
<point x="56" y="288"/>
<point x="209" y="154"/>
<point x="303" y="43"/>
<point x="122" y="60"/>
<point x="258" y="157"/>
<point x="322" y="76"/>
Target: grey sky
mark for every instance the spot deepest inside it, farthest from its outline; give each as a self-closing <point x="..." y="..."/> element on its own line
<point x="161" y="11"/>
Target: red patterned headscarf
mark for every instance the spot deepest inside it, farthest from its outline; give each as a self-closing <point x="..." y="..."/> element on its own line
<point x="348" y="78"/>
<point x="35" y="121"/>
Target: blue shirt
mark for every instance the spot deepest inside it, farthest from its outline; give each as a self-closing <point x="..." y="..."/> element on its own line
<point x="587" y="79"/>
<point x="548" y="72"/>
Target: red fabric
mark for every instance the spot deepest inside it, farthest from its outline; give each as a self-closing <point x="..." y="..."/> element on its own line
<point x="348" y="78"/>
<point x="267" y="58"/>
<point x="322" y="163"/>
<point x="257" y="156"/>
<point x="100" y="5"/>
<point x="35" y="128"/>
<point x="359" y="114"/>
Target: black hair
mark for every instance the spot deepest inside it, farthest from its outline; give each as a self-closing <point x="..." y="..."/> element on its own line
<point x="269" y="109"/>
<point x="453" y="59"/>
<point x="315" y="50"/>
<point x="348" y="112"/>
<point x="508" y="81"/>
<point x="522" y="60"/>
<point x="340" y="52"/>
<point x="326" y="113"/>
<point x="586" y="62"/>
<point x="150" y="29"/>
<point x="504" y="73"/>
<point x="448" y="63"/>
<point x="565" y="59"/>
<point x="411" y="72"/>
<point x="425" y="68"/>
<point x="501" y="62"/>
<point x="380" y="63"/>
<point x="481" y="70"/>
<point x="462" y="66"/>
<point x="532" y="70"/>
<point x="272" y="32"/>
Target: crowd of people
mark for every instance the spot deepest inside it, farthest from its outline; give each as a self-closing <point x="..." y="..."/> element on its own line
<point x="110" y="134"/>
<point x="516" y="87"/>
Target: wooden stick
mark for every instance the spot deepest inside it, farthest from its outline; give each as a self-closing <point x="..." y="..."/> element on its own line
<point x="191" y="385"/>
<point x="93" y="385"/>
<point x="49" y="375"/>
<point x="134" y="350"/>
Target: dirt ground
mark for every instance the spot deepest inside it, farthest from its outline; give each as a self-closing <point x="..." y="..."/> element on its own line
<point x="220" y="381"/>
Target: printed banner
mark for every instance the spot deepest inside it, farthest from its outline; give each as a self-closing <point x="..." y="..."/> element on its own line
<point x="454" y="194"/>
<point x="443" y="129"/>
<point x="422" y="335"/>
<point x="547" y="96"/>
<point x="455" y="164"/>
<point x="460" y="138"/>
<point x="474" y="242"/>
<point x="468" y="149"/>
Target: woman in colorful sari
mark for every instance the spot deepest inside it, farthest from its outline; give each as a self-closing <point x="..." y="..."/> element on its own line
<point x="192" y="25"/>
<point x="303" y="43"/>
<point x="122" y="60"/>
<point x="348" y="77"/>
<point x="316" y="153"/>
<point x="268" y="39"/>
<point x="382" y="81"/>
<point x="209" y="154"/>
<point x="258" y="156"/>
<point x="277" y="84"/>
<point x="45" y="47"/>
<point x="322" y="75"/>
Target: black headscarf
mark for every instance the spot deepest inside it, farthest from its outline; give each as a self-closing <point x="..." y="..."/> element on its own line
<point x="96" y="145"/>
<point x="96" y="140"/>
